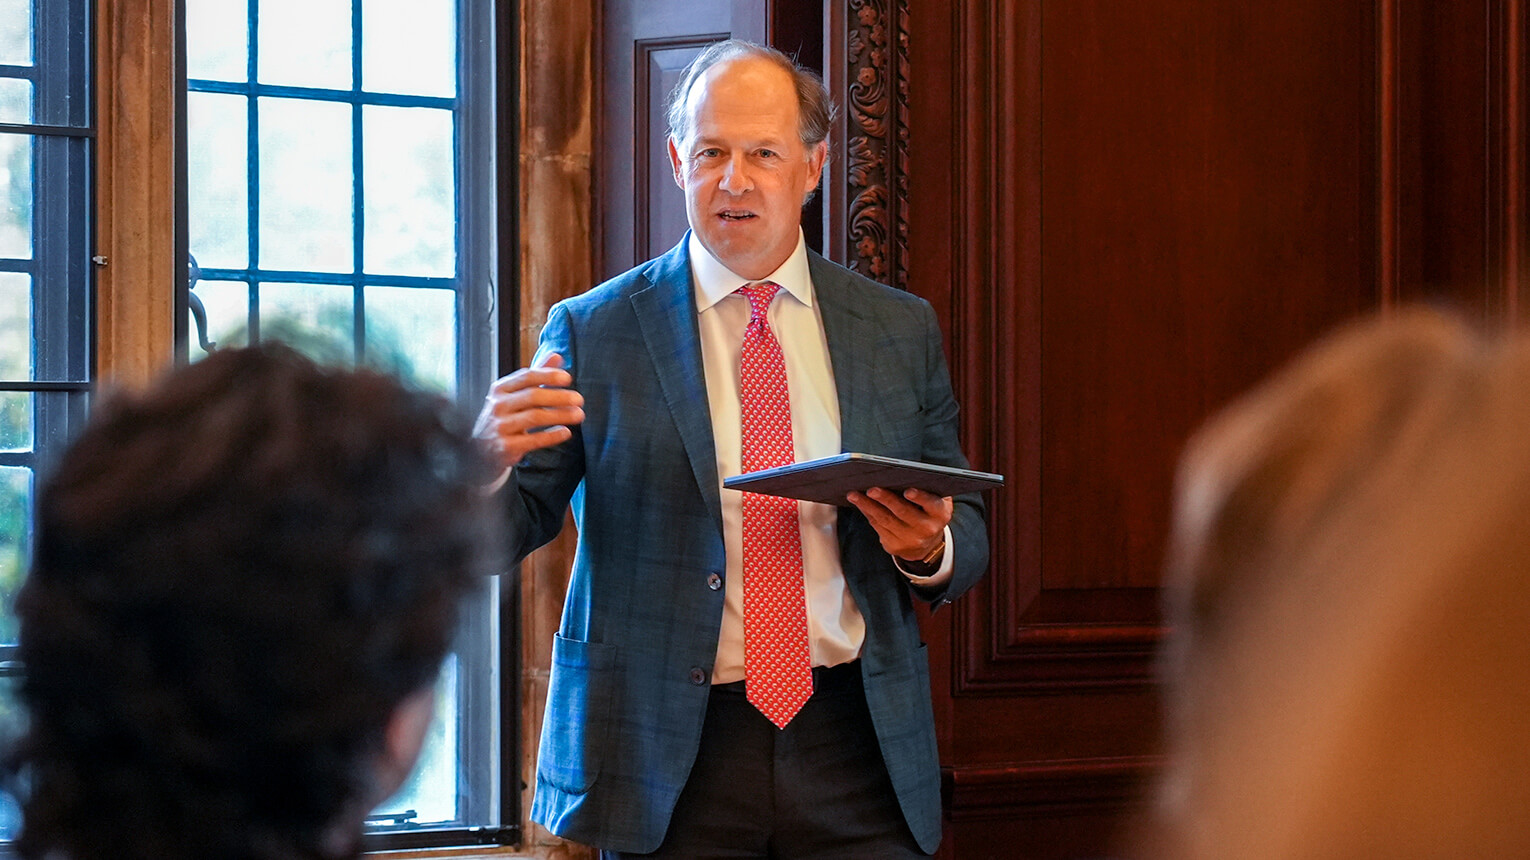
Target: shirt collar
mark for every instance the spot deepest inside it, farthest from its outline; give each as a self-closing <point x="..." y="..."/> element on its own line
<point x="715" y="282"/>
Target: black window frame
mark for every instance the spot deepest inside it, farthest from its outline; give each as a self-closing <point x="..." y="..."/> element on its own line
<point x="61" y="267"/>
<point x="487" y="189"/>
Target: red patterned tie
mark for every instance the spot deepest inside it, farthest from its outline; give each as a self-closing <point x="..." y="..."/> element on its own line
<point x="779" y="677"/>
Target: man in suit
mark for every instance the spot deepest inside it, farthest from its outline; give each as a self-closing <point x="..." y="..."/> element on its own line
<point x="734" y="674"/>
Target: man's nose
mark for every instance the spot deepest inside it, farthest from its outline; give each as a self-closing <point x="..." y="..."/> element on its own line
<point x="736" y="178"/>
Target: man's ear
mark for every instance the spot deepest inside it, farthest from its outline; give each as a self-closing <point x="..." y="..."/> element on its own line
<point x="816" y="157"/>
<point x="403" y="738"/>
<point x="674" y="161"/>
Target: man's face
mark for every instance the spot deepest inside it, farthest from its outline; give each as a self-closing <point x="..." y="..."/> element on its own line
<point x="743" y="167"/>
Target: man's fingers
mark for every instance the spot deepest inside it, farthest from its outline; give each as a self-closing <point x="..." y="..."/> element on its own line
<point x="535" y="397"/>
<point x="511" y="449"/>
<point x="529" y="399"/>
<point x="509" y="422"/>
<point x="905" y="522"/>
<point x="528" y="442"/>
<point x="914" y="507"/>
<point x="532" y="408"/>
<point x="935" y="506"/>
<point x="546" y="371"/>
<point x="873" y="504"/>
<point x="871" y="509"/>
<point x="891" y="531"/>
<point x="531" y="378"/>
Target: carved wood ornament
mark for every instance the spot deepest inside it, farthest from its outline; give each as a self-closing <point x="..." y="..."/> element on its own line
<point x="877" y="144"/>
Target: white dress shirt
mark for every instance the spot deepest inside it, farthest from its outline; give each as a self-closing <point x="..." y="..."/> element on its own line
<point x="835" y="626"/>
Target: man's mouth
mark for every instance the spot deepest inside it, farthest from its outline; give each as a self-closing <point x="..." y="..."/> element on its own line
<point x="735" y="215"/>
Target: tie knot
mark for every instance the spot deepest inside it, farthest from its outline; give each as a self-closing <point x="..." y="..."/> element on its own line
<point x="759" y="296"/>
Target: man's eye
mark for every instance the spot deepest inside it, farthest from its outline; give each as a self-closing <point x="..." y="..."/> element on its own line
<point x="768" y="153"/>
<point x="709" y="153"/>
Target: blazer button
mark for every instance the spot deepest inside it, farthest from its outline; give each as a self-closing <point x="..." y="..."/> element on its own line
<point x="698" y="677"/>
<point x="714" y="581"/>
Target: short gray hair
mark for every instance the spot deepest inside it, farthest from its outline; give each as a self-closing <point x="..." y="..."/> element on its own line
<point x="815" y="110"/>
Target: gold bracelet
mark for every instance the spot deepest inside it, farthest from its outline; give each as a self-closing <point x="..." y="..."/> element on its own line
<point x="933" y="556"/>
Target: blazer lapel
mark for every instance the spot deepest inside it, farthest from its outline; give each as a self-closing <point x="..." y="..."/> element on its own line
<point x="852" y="340"/>
<point x="666" y="315"/>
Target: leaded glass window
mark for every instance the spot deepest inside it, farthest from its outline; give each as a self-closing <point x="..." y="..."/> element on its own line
<point x="45" y="276"/>
<point x="339" y="168"/>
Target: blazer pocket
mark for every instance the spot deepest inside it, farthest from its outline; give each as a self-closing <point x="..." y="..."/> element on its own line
<point x="578" y="716"/>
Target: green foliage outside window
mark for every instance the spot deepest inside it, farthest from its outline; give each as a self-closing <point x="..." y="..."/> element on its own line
<point x="15" y="434"/>
<point x="14" y="492"/>
<point x="325" y="337"/>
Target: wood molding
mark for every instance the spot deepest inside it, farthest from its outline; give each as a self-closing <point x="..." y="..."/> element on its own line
<point x="1046" y="788"/>
<point x="1014" y="637"/>
<point x="869" y="72"/>
<point x="556" y="167"/>
<point x="135" y="188"/>
<point x="648" y="68"/>
<point x="1452" y="140"/>
<point x="1387" y="171"/>
<point x="1507" y="150"/>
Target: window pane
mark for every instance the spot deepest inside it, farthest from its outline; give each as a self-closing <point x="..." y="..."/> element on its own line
<point x="217" y="40"/>
<point x="305" y="43"/>
<point x="227" y="305"/>
<point x="11" y="726"/>
<point x="16" y="420"/>
<point x="305" y="186"/>
<point x="409" y="46"/>
<point x="413" y="331"/>
<point x="15" y="326"/>
<point x="410" y="193"/>
<point x="315" y="319"/>
<point x="217" y="179"/>
<point x="16" y="32"/>
<point x="16" y="196"/>
<point x="431" y="791"/>
<point x="15" y="100"/>
<point x="15" y="519"/>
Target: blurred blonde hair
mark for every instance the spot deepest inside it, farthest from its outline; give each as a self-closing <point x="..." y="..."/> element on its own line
<point x="1349" y="588"/>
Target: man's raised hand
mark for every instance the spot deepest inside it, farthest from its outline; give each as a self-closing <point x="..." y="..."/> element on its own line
<point x="531" y="408"/>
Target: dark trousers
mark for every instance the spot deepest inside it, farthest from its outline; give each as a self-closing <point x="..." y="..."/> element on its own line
<point x="815" y="789"/>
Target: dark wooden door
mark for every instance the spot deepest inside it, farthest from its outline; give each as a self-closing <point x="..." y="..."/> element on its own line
<point x="642" y="48"/>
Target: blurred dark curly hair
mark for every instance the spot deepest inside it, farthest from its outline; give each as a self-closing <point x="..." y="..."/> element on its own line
<point x="238" y="575"/>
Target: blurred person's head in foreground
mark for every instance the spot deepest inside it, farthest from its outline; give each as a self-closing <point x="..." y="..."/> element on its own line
<point x="1349" y="593"/>
<point x="245" y="581"/>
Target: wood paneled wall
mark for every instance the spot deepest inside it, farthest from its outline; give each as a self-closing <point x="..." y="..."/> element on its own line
<point x="1126" y="214"/>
